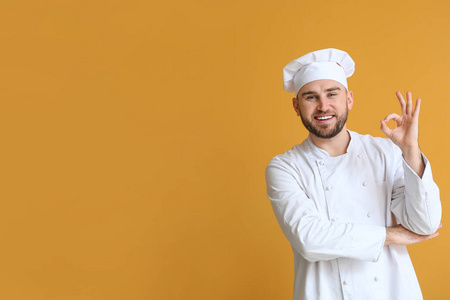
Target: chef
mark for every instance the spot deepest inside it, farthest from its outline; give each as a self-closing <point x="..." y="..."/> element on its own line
<point x="350" y="203"/>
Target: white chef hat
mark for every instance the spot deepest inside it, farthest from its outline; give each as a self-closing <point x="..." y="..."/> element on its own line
<point x="330" y="63"/>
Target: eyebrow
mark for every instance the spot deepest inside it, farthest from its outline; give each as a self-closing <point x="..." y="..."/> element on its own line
<point x="333" y="89"/>
<point x="327" y="90"/>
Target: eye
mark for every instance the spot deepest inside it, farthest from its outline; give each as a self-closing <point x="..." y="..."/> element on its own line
<point x="332" y="94"/>
<point x="310" y="97"/>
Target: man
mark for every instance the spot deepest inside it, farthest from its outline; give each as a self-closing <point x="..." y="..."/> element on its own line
<point x="350" y="203"/>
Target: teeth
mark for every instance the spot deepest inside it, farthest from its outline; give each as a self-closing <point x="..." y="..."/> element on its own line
<point x="324" y="118"/>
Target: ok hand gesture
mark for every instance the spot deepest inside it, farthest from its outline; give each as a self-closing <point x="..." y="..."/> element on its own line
<point x="405" y="135"/>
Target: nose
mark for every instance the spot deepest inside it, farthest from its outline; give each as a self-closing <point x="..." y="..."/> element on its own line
<point x="323" y="105"/>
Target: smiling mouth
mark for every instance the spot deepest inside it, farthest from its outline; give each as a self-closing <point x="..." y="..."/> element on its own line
<point x="323" y="118"/>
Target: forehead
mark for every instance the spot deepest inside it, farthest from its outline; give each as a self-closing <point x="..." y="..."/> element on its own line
<point x="321" y="85"/>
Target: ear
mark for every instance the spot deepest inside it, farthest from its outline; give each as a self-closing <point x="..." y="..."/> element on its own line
<point x="295" y="105"/>
<point x="350" y="100"/>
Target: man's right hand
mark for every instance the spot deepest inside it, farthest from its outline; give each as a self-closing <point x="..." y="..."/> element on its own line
<point x="399" y="235"/>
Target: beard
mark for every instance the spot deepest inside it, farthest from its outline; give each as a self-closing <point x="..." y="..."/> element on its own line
<point x="326" y="131"/>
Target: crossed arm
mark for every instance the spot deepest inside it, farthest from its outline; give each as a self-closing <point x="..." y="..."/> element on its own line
<point x="399" y="235"/>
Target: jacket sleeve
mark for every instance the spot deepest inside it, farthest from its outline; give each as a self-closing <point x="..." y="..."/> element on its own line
<point x="415" y="201"/>
<point x="314" y="237"/>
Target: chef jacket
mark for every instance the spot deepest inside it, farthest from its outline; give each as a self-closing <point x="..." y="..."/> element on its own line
<point x="334" y="211"/>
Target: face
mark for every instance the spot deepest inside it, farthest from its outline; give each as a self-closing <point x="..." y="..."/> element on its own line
<point x="323" y="106"/>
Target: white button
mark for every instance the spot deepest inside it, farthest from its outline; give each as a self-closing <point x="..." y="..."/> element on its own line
<point x="346" y="282"/>
<point x="334" y="219"/>
<point x="328" y="188"/>
<point x="369" y="215"/>
<point x="364" y="183"/>
<point x="321" y="163"/>
<point x="359" y="156"/>
<point x="375" y="278"/>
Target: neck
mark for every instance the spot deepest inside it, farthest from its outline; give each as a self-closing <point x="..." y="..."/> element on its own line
<point x="335" y="146"/>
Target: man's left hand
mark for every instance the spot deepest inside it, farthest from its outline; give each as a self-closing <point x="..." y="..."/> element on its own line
<point x="406" y="134"/>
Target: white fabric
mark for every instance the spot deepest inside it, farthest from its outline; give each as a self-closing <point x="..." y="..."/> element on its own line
<point x="334" y="211"/>
<point x="317" y="71"/>
<point x="330" y="63"/>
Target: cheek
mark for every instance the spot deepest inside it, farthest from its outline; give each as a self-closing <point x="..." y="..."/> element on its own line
<point x="306" y="109"/>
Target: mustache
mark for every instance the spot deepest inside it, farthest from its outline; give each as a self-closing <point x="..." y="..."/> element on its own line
<point x="325" y="112"/>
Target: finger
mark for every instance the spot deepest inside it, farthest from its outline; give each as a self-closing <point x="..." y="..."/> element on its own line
<point x="436" y="234"/>
<point x="409" y="104"/>
<point x="423" y="238"/>
<point x="402" y="102"/>
<point x="394" y="117"/>
<point x="385" y="129"/>
<point x="417" y="109"/>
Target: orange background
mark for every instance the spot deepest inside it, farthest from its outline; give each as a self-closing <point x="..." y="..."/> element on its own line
<point x="134" y="137"/>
